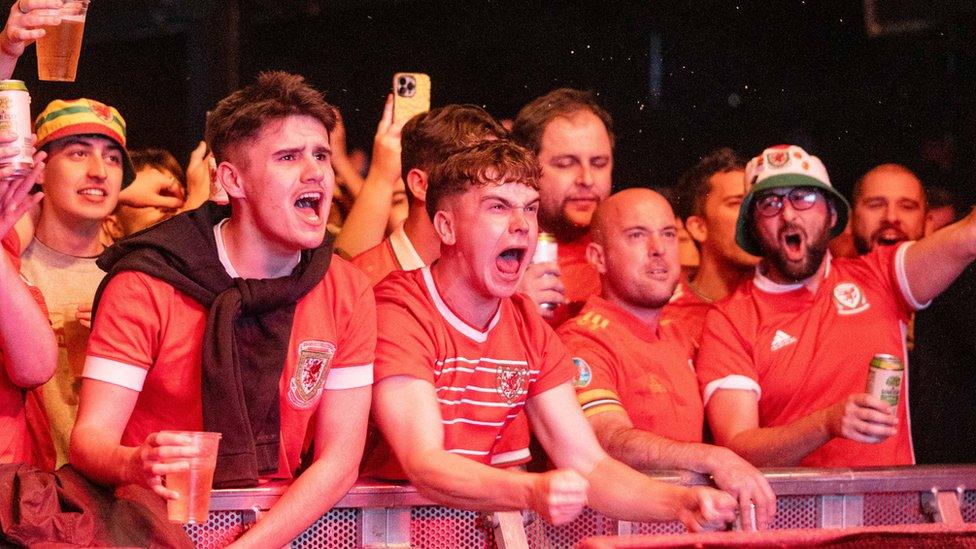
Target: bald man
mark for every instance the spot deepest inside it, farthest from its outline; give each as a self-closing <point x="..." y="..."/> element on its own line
<point x="635" y="376"/>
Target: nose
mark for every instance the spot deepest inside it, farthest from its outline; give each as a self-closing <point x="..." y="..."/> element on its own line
<point x="655" y="245"/>
<point x="891" y="215"/>
<point x="788" y="212"/>
<point x="518" y="221"/>
<point x="313" y="171"/>
<point x="585" y="176"/>
<point x="96" y="167"/>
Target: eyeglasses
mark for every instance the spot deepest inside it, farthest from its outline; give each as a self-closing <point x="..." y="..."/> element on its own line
<point x="801" y="198"/>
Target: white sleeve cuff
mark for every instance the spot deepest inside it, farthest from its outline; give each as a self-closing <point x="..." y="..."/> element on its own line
<point x="349" y="377"/>
<point x="906" y="291"/>
<point x="731" y="382"/>
<point x="115" y="372"/>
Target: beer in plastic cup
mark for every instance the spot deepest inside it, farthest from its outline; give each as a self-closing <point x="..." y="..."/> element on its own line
<point x="59" y="48"/>
<point x="193" y="485"/>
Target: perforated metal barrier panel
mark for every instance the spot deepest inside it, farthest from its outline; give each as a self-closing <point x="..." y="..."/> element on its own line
<point x="885" y="502"/>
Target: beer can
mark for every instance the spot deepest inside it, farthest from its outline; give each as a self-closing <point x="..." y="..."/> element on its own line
<point x="546" y="251"/>
<point x="884" y="378"/>
<point x="15" y="117"/>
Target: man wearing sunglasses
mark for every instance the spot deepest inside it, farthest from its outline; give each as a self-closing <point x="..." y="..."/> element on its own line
<point x="784" y="360"/>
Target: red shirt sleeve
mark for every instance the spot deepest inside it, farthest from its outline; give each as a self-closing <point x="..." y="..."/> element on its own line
<point x="725" y="356"/>
<point x="129" y="320"/>
<point x="403" y="346"/>
<point x="357" y="343"/>
<point x="555" y="364"/>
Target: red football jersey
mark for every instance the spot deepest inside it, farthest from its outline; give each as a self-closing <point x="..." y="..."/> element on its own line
<point x="482" y="377"/>
<point x="801" y="351"/>
<point x="395" y="253"/>
<point x="686" y="311"/>
<point x="149" y="337"/>
<point x="624" y="365"/>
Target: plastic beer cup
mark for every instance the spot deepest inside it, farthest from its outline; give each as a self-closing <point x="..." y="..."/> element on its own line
<point x="193" y="485"/>
<point x="58" y="50"/>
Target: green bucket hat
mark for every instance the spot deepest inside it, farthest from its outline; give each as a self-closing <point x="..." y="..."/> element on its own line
<point x="785" y="166"/>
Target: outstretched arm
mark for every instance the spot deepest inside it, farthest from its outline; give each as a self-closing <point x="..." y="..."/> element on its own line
<point x="615" y="489"/>
<point x="934" y="262"/>
<point x="644" y="450"/>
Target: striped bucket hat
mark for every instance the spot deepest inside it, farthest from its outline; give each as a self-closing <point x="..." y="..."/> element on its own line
<point x="64" y="118"/>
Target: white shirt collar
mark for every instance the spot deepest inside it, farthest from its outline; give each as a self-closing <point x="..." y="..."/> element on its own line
<point x="767" y="285"/>
<point x="406" y="255"/>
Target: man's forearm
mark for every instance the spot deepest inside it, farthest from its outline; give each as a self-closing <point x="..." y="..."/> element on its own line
<point x="620" y="492"/>
<point x="311" y="495"/>
<point x="28" y="345"/>
<point x="101" y="459"/>
<point x="782" y="446"/>
<point x="456" y="481"/>
<point x="645" y="450"/>
<point x="365" y="226"/>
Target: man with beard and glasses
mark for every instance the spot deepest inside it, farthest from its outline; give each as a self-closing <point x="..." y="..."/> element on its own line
<point x="891" y="206"/>
<point x="784" y="359"/>
<point x="635" y="375"/>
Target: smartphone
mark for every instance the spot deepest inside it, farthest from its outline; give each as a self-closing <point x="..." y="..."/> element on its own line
<point x="411" y="95"/>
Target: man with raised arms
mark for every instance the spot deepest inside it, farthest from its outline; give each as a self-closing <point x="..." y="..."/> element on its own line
<point x="458" y="356"/>
<point x="784" y="359"/>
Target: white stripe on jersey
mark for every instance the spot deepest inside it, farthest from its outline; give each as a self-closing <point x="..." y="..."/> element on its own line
<point x="482" y="359"/>
<point x="467" y="452"/>
<point x="509" y="417"/>
<point x="468" y="388"/>
<point x="446" y="402"/>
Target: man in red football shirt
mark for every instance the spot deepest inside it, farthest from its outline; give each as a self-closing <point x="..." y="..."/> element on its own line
<point x="238" y="320"/>
<point x="709" y="195"/>
<point x="458" y="356"/>
<point x="572" y="137"/>
<point x="635" y="376"/>
<point x="784" y="359"/>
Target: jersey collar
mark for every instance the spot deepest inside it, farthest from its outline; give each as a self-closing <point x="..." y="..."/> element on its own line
<point x="765" y="284"/>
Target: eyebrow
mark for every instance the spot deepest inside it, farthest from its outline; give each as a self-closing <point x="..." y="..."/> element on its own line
<point x="505" y="201"/>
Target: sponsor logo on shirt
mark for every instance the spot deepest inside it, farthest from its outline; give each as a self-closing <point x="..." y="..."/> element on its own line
<point x="584" y="375"/>
<point x="849" y="299"/>
<point x="781" y="339"/>
<point x="511" y="381"/>
<point x="655" y="385"/>
<point x="314" y="359"/>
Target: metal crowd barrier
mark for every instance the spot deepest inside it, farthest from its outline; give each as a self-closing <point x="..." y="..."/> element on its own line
<point x="384" y="515"/>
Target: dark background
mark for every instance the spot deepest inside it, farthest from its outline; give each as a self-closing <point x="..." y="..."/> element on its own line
<point x="899" y="85"/>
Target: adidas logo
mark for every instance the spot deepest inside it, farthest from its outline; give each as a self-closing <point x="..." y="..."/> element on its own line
<point x="781" y="339"/>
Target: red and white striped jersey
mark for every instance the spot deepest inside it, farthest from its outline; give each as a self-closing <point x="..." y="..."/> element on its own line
<point x="482" y="378"/>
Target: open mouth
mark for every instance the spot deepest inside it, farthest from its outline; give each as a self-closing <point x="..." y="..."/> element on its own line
<point x="510" y="260"/>
<point x="658" y="272"/>
<point x="308" y="204"/>
<point x="793" y="243"/>
<point x="890" y="237"/>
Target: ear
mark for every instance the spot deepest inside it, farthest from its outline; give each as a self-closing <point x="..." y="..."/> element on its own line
<point x="230" y="178"/>
<point x="444" y="227"/>
<point x="111" y="230"/>
<point x="695" y="225"/>
<point x="417" y="183"/>
<point x="833" y="216"/>
<point x="597" y="257"/>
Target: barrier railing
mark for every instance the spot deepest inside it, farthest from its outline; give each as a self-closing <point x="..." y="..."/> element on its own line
<point x="386" y="515"/>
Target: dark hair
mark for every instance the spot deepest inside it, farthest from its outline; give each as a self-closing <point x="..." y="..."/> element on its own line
<point x="159" y="159"/>
<point x="487" y="163"/>
<point x="895" y="168"/>
<point x="274" y="95"/>
<point x="694" y="186"/>
<point x="428" y="139"/>
<point x="532" y="120"/>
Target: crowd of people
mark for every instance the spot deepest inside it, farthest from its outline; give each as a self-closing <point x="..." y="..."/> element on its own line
<point x="333" y="326"/>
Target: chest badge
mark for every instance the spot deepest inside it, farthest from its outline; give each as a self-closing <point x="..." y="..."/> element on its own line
<point x="511" y="381"/>
<point x="849" y="299"/>
<point x="314" y="359"/>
